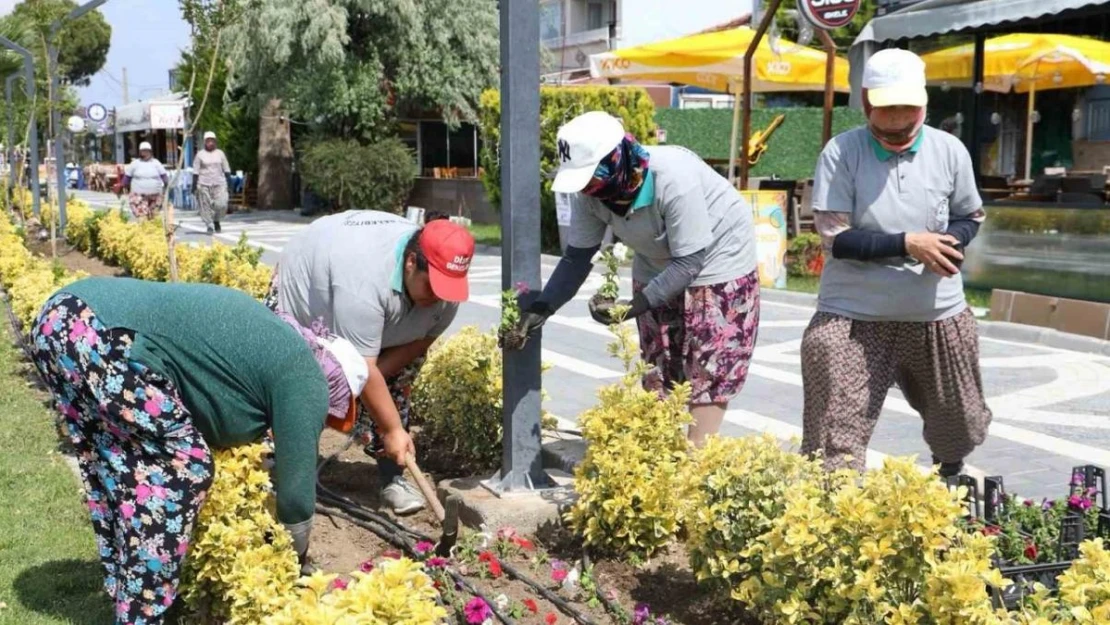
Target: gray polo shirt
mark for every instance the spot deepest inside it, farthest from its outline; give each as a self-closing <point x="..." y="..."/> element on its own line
<point x="348" y="270"/>
<point x="683" y="207"/>
<point x="915" y="191"/>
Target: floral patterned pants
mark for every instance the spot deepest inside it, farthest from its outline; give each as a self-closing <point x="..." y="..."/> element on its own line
<point x="144" y="205"/>
<point x="705" y="336"/>
<point x="145" y="467"/>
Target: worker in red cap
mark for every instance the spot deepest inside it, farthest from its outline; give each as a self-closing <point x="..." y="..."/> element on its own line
<point x="390" y="287"/>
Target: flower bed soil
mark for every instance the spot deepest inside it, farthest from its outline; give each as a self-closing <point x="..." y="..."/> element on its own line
<point x="664" y="582"/>
<point x="73" y="259"/>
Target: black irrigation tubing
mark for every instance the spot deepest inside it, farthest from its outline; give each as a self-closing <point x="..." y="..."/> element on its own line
<point x="555" y="599"/>
<point x="611" y="606"/>
<point x="398" y="541"/>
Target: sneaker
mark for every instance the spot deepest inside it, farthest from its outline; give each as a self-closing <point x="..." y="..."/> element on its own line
<point x="949" y="469"/>
<point x="402" y="497"/>
<point x="218" y="228"/>
<point x="210" y="230"/>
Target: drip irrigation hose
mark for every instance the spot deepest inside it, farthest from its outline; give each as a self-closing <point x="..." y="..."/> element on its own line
<point x="398" y="541"/>
<point x="611" y="606"/>
<point x="556" y="600"/>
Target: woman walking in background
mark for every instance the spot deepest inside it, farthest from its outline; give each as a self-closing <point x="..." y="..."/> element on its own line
<point x="145" y="179"/>
<point x="210" y="182"/>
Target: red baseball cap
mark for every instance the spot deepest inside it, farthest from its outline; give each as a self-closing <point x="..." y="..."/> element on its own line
<point x="449" y="249"/>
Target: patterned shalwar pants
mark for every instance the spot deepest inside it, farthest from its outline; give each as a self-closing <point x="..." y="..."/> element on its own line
<point x="212" y="203"/>
<point x="145" y="468"/>
<point x="366" y="431"/>
<point x="849" y="366"/>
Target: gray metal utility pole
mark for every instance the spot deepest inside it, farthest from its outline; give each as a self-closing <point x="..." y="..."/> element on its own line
<point x="29" y="89"/>
<point x="521" y="461"/>
<point x="11" y="131"/>
<point x="55" y="114"/>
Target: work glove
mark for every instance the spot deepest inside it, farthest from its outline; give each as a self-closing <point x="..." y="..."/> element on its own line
<point x="300" y="533"/>
<point x="601" y="310"/>
<point x="531" y="320"/>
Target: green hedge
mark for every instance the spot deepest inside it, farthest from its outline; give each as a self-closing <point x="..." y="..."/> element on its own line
<point x="792" y="151"/>
<point x="350" y="175"/>
<point x="557" y="106"/>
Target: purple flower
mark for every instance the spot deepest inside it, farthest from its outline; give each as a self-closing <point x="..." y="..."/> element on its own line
<point x="477" y="611"/>
<point x="521" y="287"/>
<point x="367" y="566"/>
<point x="1082" y="503"/>
<point x="1047" y="505"/>
<point x="436" y="562"/>
<point x="641" y="614"/>
<point x="423" y="547"/>
<point x="1077" y="479"/>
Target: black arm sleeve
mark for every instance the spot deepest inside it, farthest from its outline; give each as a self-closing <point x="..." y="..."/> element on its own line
<point x="569" y="275"/>
<point x="857" y="244"/>
<point x="678" y="275"/>
<point x="964" y="230"/>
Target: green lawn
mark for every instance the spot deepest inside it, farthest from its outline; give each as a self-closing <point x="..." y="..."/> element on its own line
<point x="486" y="234"/>
<point x="49" y="572"/>
<point x="976" y="298"/>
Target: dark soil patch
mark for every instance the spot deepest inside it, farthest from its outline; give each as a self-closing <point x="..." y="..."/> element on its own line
<point x="72" y="258"/>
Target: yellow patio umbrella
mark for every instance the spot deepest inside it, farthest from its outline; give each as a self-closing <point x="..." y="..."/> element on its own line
<point x="1025" y="63"/>
<point x="715" y="61"/>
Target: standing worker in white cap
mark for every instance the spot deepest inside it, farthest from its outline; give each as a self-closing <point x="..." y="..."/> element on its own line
<point x="145" y="178"/>
<point x="695" y="280"/>
<point x="210" y="182"/>
<point x="895" y="204"/>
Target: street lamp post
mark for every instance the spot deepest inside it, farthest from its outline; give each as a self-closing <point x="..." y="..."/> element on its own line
<point x="28" y="88"/>
<point x="55" y="114"/>
<point x="521" y="461"/>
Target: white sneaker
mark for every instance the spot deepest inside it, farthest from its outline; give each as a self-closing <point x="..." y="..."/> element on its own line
<point x="402" y="497"/>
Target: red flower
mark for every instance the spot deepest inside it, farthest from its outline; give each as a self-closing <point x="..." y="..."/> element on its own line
<point x="992" y="530"/>
<point x="524" y="543"/>
<point x="486" y="556"/>
<point x="495" y="568"/>
<point x="1031" y="551"/>
<point x="550" y="618"/>
<point x="531" y="605"/>
<point x="559" y="575"/>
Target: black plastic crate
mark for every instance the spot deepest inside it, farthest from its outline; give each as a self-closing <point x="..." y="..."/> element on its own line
<point x="1024" y="578"/>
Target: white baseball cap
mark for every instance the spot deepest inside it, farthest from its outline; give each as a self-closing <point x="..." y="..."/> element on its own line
<point x="209" y="135"/>
<point x="353" y="364"/>
<point x="582" y="143"/>
<point x="895" y="77"/>
<point x="145" y="145"/>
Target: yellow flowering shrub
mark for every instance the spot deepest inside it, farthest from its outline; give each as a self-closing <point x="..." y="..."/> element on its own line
<point x="457" y="401"/>
<point x="882" y="548"/>
<point x="733" y="492"/>
<point x="1083" y="596"/>
<point x="636" y="451"/>
<point x="241" y="566"/>
<point x="396" y="592"/>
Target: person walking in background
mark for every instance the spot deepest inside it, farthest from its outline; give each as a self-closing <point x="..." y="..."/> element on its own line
<point x="148" y="378"/>
<point x="145" y="178"/>
<point x="210" y="183"/>
<point x="895" y="204"/>
<point x="695" y="279"/>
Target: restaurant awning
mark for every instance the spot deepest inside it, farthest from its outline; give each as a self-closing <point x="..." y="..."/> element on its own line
<point x="934" y="17"/>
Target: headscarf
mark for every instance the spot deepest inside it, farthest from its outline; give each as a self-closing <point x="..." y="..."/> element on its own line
<point x="339" y="391"/>
<point x="620" y="175"/>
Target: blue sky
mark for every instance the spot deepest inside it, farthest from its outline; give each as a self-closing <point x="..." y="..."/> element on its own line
<point x="147" y="39"/>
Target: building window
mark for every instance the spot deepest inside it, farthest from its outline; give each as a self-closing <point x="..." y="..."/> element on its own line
<point x="551" y="20"/>
<point x="593" y="16"/>
<point x="448" y="153"/>
<point x="1098" y="120"/>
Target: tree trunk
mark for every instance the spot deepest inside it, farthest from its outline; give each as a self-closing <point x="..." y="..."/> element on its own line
<point x="275" y="160"/>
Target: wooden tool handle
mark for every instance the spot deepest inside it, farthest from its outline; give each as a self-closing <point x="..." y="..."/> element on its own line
<point x="425" y="487"/>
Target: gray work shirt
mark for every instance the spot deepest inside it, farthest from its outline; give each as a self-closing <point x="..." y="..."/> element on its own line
<point x="683" y="207"/>
<point x="915" y="191"/>
<point x="348" y="270"/>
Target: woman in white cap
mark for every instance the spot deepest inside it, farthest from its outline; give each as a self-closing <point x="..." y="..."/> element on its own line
<point x="695" y="278"/>
<point x="149" y="376"/>
<point x="145" y="178"/>
<point x="210" y="182"/>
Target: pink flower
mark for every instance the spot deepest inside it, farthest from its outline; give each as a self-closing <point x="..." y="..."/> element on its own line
<point x="338" y="584"/>
<point x="436" y="562"/>
<point x="392" y="554"/>
<point x="423" y="547"/>
<point x="477" y="611"/>
<point x="506" y="533"/>
<point x="367" y="566"/>
<point x="182" y="548"/>
<point x="521" y="287"/>
<point x="558" y="575"/>
<point x="153" y="407"/>
<point x="550" y="618"/>
<point x="1078" y="502"/>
